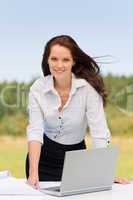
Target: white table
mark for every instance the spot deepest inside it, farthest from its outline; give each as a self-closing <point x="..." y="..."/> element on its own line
<point x="118" y="192"/>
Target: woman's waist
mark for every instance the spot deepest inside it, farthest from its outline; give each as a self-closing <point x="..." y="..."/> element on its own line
<point x="53" y="146"/>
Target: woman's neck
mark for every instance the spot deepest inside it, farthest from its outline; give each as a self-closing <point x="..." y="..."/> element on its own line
<point x="64" y="84"/>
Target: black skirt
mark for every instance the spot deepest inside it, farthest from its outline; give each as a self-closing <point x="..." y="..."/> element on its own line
<point x="52" y="159"/>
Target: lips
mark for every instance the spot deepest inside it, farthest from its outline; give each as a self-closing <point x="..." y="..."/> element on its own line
<point x="59" y="71"/>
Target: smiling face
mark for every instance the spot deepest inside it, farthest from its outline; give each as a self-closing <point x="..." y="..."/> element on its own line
<point x="60" y="61"/>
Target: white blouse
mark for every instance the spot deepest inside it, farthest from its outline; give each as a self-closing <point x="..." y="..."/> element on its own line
<point x="84" y="107"/>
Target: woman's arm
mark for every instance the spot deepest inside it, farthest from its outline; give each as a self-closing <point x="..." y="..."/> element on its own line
<point x="35" y="130"/>
<point x="96" y="118"/>
<point x="98" y="124"/>
<point x="34" y="149"/>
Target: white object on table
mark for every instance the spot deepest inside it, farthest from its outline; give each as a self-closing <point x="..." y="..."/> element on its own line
<point x="13" y="186"/>
<point x="122" y="192"/>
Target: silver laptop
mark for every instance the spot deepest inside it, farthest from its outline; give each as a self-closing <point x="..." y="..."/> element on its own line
<point x="86" y="171"/>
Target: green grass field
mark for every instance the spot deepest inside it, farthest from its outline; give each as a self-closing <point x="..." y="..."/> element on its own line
<point x="13" y="152"/>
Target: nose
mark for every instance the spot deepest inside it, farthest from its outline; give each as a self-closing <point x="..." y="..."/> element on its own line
<point x="59" y="65"/>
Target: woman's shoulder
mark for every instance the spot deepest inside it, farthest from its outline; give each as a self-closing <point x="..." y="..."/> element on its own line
<point x="88" y="86"/>
<point x="90" y="91"/>
<point x="40" y="83"/>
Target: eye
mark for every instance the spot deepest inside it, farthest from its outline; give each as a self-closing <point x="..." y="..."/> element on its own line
<point x="53" y="58"/>
<point x="66" y="59"/>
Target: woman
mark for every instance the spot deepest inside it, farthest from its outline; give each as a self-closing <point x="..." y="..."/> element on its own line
<point x="69" y="97"/>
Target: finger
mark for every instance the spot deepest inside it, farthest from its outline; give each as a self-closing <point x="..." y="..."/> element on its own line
<point x="126" y="182"/>
<point x="121" y="181"/>
<point x="31" y="183"/>
<point x="37" y="185"/>
<point x="116" y="180"/>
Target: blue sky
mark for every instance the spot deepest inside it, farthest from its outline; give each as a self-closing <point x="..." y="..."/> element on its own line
<point x="99" y="27"/>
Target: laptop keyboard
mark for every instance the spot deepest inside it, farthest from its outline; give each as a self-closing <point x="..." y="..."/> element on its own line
<point x="57" y="189"/>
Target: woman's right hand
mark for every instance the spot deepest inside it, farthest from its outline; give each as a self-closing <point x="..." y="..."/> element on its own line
<point x="33" y="180"/>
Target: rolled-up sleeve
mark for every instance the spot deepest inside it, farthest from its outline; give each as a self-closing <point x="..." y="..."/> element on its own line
<point x="96" y="119"/>
<point x="35" y="128"/>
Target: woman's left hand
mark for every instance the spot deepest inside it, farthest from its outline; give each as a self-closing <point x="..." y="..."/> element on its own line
<point x="121" y="180"/>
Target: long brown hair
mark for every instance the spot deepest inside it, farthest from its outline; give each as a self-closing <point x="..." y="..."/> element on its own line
<point x="85" y="66"/>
